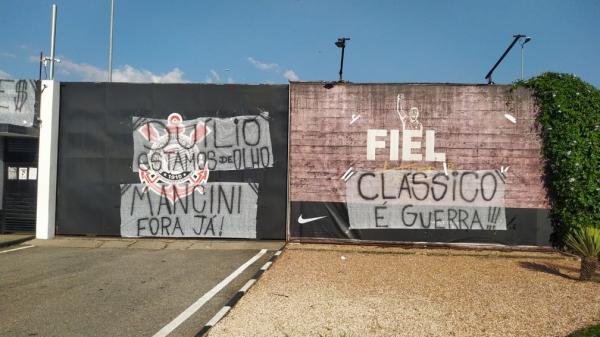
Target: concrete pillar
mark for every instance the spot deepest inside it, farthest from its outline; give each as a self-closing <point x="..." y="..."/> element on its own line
<point x="48" y="153"/>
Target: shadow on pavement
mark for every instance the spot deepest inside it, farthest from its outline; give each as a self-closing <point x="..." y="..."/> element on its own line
<point x="548" y="268"/>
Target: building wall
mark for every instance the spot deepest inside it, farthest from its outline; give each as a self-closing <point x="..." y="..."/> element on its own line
<point x="328" y="138"/>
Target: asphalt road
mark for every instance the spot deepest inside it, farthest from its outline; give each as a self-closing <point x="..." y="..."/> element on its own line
<point x="60" y="291"/>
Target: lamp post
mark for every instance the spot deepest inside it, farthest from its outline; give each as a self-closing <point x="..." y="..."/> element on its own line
<point x="53" y="41"/>
<point x="525" y="40"/>
<point x="341" y="43"/>
<point x="489" y="74"/>
<point x="110" y="39"/>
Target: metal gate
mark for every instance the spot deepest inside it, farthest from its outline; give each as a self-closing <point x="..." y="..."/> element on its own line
<point x="20" y="185"/>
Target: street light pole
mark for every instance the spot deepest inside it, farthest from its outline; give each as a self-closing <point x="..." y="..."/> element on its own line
<point x="526" y="39"/>
<point x="341" y="43"/>
<point x="53" y="41"/>
<point x="522" y="62"/>
<point x="110" y="43"/>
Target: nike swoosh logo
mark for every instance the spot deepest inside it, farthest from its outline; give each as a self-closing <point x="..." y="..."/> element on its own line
<point x="303" y="221"/>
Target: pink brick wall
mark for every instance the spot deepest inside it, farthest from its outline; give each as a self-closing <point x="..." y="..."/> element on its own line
<point x="468" y="120"/>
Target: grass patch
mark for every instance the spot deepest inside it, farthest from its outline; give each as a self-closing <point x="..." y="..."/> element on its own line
<point x="592" y="331"/>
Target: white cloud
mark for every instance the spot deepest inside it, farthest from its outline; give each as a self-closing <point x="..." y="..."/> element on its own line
<point x="213" y="77"/>
<point x="230" y="80"/>
<point x="126" y="73"/>
<point x="84" y="71"/>
<point x="263" y="66"/>
<point x="4" y="74"/>
<point x="290" y="75"/>
<point x="7" y="55"/>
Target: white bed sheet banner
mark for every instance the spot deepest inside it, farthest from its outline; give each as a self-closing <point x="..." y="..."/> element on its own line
<point x="402" y="199"/>
<point x="17" y="102"/>
<point x="226" y="210"/>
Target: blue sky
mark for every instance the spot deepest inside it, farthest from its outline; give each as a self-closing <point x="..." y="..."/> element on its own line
<point x="273" y="41"/>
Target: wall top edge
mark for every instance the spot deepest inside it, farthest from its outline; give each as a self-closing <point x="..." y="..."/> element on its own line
<point x="400" y="83"/>
<point x="181" y="84"/>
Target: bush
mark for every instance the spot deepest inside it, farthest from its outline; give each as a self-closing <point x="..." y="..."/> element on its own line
<point x="569" y="117"/>
<point x="585" y="241"/>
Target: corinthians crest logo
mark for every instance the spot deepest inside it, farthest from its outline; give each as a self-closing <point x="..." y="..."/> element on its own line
<point x="173" y="166"/>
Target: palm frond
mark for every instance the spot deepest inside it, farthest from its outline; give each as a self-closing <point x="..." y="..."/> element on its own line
<point x="585" y="241"/>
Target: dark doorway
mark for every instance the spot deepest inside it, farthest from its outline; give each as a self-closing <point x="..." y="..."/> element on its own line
<point x="20" y="185"/>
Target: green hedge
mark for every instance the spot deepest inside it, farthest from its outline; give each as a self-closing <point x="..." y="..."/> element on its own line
<point x="570" y="124"/>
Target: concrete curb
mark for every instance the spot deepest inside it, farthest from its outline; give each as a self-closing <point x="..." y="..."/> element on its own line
<point x="235" y="299"/>
<point x="16" y="241"/>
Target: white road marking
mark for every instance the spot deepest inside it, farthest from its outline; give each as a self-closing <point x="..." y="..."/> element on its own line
<point x="248" y="285"/>
<point x="266" y="266"/>
<point x="12" y="250"/>
<point x="216" y="318"/>
<point x="167" y="329"/>
<point x="277" y="253"/>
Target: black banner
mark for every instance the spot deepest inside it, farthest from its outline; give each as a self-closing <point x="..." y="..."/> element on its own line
<point x="102" y="173"/>
<point x="330" y="221"/>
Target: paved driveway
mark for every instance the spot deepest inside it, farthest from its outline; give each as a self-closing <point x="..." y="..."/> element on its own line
<point x="62" y="289"/>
